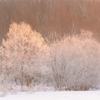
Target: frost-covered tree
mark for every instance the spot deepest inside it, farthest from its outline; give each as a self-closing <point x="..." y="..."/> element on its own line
<point x="75" y="62"/>
<point x="22" y="50"/>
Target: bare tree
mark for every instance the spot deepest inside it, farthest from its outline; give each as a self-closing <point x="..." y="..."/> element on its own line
<point x="74" y="62"/>
<point x="21" y="49"/>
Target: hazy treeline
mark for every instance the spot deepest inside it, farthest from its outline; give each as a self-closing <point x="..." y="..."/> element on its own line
<point x="46" y="16"/>
<point x="27" y="61"/>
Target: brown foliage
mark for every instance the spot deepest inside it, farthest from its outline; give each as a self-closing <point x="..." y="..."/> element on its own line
<point x="62" y="16"/>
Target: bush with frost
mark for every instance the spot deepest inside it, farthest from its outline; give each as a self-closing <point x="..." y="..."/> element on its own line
<point x="75" y="62"/>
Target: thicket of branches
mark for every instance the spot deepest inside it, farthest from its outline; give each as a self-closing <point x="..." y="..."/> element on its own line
<point x="71" y="63"/>
<point x="75" y="62"/>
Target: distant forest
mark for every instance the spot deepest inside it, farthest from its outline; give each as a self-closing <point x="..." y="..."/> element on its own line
<point x="50" y="16"/>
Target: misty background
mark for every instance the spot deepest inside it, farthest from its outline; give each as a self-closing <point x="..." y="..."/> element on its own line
<point x="50" y="16"/>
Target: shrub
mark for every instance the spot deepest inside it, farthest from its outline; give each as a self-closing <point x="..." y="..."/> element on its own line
<point x="75" y="63"/>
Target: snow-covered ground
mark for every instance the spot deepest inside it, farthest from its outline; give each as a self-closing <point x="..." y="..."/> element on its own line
<point x="61" y="95"/>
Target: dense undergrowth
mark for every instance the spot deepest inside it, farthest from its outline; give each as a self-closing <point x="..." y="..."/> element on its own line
<point x="28" y="62"/>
